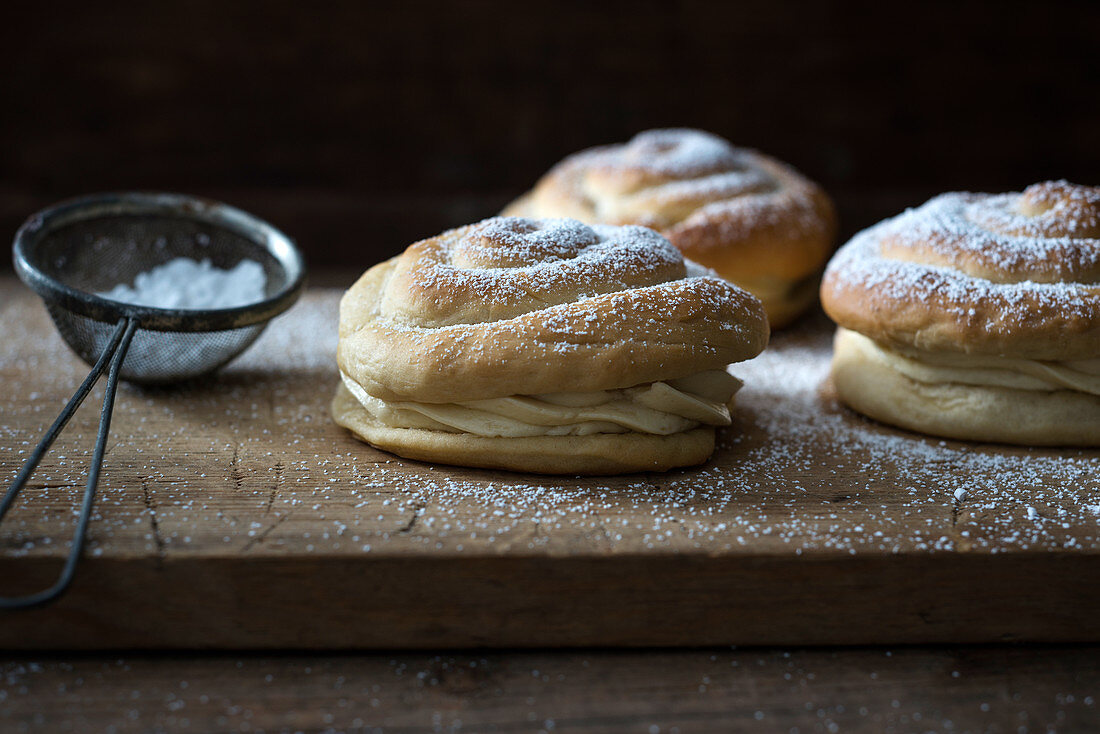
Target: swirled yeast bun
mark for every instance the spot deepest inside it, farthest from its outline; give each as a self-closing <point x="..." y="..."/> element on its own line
<point x="976" y="316"/>
<point x="757" y="222"/>
<point x="543" y="345"/>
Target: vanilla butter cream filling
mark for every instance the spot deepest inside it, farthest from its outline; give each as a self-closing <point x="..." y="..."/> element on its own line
<point x="660" y="408"/>
<point x="975" y="369"/>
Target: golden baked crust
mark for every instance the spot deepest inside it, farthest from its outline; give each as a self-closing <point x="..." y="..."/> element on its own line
<point x="871" y="386"/>
<point x="601" y="453"/>
<point x="757" y="222"/>
<point x="514" y="307"/>
<point x="1009" y="274"/>
<point x="965" y="317"/>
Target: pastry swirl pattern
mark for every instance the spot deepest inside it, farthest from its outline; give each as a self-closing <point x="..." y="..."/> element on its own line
<point x="753" y="219"/>
<point x="988" y="274"/>
<point x="515" y="306"/>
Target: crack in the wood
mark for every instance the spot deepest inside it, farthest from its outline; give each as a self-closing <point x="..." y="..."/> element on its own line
<point x="605" y="532"/>
<point x="234" y="468"/>
<point x="253" y="541"/>
<point x="47" y="485"/>
<point x="540" y="534"/>
<point x="418" y="510"/>
<point x="158" y="540"/>
<point x="275" y="490"/>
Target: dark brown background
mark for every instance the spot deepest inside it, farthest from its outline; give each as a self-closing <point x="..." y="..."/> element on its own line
<point x="359" y="127"/>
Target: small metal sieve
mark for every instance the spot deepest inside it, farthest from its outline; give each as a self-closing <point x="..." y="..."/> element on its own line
<point x="76" y="249"/>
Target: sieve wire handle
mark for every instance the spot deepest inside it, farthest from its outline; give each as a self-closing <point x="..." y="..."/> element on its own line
<point x="114" y="355"/>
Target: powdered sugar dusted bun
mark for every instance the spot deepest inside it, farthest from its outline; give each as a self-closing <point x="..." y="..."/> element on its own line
<point x="976" y="316"/>
<point x="543" y="345"/>
<point x="1012" y="274"/>
<point x="756" y="221"/>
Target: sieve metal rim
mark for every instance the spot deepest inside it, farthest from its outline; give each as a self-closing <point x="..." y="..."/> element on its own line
<point x="165" y="204"/>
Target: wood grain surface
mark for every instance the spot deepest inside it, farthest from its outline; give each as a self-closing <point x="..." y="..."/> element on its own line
<point x="234" y="514"/>
<point x="996" y="690"/>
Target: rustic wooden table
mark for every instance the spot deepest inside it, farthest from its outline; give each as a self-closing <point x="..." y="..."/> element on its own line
<point x="234" y="515"/>
<point x="963" y="689"/>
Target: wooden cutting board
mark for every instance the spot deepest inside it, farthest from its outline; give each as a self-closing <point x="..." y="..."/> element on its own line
<point x="233" y="513"/>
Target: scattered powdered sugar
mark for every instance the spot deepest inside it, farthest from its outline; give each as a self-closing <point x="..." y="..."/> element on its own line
<point x="796" y="471"/>
<point x="666" y="168"/>
<point x="1046" y="210"/>
<point x="1043" y="261"/>
<point x="250" y="461"/>
<point x="183" y="283"/>
<point x="502" y="242"/>
<point x="726" y="185"/>
<point x="681" y="177"/>
<point x="517" y="265"/>
<point x="679" y="152"/>
<point x="861" y="265"/>
<point x="555" y="253"/>
<point x="990" y="230"/>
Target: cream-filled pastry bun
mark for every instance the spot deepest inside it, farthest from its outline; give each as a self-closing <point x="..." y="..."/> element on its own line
<point x="543" y="345"/>
<point x="975" y="316"/>
<point x="757" y="222"/>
